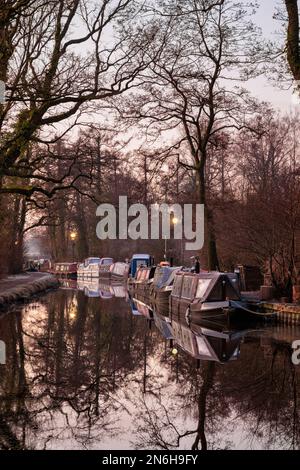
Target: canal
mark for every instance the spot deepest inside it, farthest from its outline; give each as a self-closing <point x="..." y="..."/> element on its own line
<point x="98" y="373"/>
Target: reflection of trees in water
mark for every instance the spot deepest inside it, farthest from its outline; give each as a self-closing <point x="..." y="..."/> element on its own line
<point x="266" y="393"/>
<point x="181" y="416"/>
<point x="159" y="426"/>
<point x="13" y="412"/>
<point x="259" y="391"/>
<point x="75" y="365"/>
<point x="66" y="361"/>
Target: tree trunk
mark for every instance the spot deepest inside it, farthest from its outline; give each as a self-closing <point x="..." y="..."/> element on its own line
<point x="212" y="254"/>
<point x="293" y="50"/>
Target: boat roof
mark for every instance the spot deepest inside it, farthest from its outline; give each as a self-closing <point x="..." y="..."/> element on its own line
<point x="65" y="264"/>
<point x="164" y="275"/>
<point x="210" y="288"/>
<point x="141" y="256"/>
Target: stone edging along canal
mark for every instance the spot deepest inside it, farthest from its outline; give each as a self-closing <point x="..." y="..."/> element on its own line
<point x="24" y="286"/>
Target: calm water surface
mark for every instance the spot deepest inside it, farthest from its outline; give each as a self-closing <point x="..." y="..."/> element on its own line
<point x="99" y="373"/>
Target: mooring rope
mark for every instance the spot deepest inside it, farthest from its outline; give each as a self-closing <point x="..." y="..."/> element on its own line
<point x="260" y="314"/>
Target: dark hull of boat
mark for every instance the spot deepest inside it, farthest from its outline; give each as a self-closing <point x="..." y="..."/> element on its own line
<point x="185" y="308"/>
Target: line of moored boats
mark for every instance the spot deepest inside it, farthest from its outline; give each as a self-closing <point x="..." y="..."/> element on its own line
<point x="213" y="294"/>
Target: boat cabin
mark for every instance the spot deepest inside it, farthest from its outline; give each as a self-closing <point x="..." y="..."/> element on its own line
<point x="204" y="292"/>
<point x="65" y="269"/>
<point x="139" y="260"/>
<point x="119" y="270"/>
<point x="164" y="276"/>
<point x="143" y="280"/>
<point x="163" y="282"/>
<point x="95" y="267"/>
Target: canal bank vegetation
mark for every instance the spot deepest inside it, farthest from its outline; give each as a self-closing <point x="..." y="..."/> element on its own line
<point x="148" y="101"/>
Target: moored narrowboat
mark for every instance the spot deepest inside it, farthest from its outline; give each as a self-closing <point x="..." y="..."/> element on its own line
<point x="162" y="284"/>
<point x="143" y="308"/>
<point x="68" y="270"/>
<point x="94" y="267"/>
<point x="119" y="271"/>
<point x="139" y="260"/>
<point x="206" y="293"/>
<point x="143" y="280"/>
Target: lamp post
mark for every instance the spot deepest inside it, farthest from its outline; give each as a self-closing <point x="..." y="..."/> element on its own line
<point x="73" y="236"/>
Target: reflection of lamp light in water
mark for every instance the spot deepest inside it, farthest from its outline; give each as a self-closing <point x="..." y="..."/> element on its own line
<point x="174" y="351"/>
<point x="73" y="315"/>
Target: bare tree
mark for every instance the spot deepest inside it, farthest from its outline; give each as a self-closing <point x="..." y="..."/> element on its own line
<point x="57" y="60"/>
<point x="203" y="47"/>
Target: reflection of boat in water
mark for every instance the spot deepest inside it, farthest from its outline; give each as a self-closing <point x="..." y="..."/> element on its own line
<point x="68" y="284"/>
<point x="163" y="324"/>
<point x="118" y="290"/>
<point x="162" y="284"/>
<point x="102" y="289"/>
<point x="92" y="288"/>
<point x="208" y="344"/>
<point x="139" y="308"/>
<point x="208" y="341"/>
<point x="205" y="293"/>
<point x="143" y="309"/>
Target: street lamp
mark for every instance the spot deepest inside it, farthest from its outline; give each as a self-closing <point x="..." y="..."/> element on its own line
<point x="174" y="221"/>
<point x="73" y="236"/>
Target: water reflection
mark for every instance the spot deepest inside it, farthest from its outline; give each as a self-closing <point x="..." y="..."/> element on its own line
<point x="88" y="372"/>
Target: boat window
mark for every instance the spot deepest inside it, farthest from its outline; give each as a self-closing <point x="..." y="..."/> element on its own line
<point x="223" y="289"/>
<point x="158" y="277"/>
<point x="187" y="287"/>
<point x="140" y="262"/>
<point x="203" y="349"/>
<point x="218" y="292"/>
<point x="177" y="286"/>
<point x="107" y="261"/>
<point x="202" y="287"/>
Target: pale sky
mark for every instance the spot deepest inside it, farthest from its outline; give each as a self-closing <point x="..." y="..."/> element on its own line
<point x="261" y="87"/>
